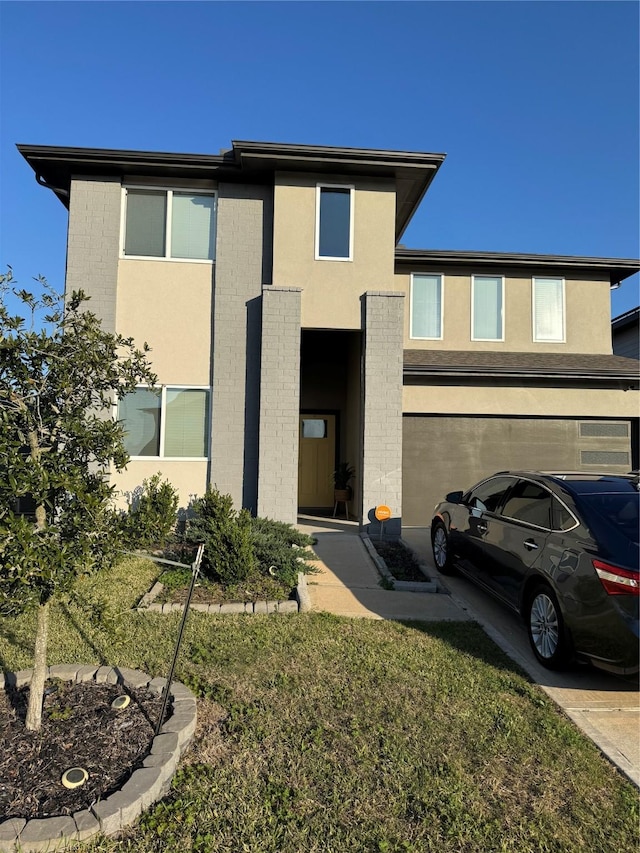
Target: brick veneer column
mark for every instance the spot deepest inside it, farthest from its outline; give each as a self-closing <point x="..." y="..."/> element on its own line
<point x="236" y="340"/>
<point x="93" y="245"/>
<point x="382" y="322"/>
<point x="279" y="404"/>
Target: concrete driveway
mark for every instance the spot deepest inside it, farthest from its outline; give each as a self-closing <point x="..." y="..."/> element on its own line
<point x="605" y="707"/>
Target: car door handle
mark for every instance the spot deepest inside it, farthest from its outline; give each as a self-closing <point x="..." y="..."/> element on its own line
<point x="530" y="545"/>
<point x="481" y="528"/>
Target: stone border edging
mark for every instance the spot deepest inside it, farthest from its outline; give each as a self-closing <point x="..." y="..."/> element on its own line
<point x="144" y="787"/>
<point x="428" y="586"/>
<point x="148" y="604"/>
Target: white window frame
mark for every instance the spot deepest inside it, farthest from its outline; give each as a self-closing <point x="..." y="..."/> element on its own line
<point x="163" y="404"/>
<point x="352" y="197"/>
<point x="502" y="312"/>
<point x="535" y="338"/>
<point x="169" y="191"/>
<point x="428" y="338"/>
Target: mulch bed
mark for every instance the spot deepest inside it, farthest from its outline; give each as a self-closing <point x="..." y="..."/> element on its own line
<point x="79" y="729"/>
<point x="400" y="561"/>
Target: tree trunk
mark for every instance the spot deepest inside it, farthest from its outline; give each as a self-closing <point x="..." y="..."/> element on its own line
<point x="36" y="692"/>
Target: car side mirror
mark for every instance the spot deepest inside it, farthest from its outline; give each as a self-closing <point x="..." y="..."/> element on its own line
<point x="454" y="497"/>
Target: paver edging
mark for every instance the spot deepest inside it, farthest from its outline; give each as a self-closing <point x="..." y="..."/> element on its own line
<point x="429" y="586"/>
<point x="148" y="604"/>
<point x="144" y="786"/>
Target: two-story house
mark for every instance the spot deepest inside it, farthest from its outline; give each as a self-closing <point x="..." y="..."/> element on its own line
<point x="290" y="331"/>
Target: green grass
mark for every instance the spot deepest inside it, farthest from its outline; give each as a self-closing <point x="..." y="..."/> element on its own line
<point x="319" y="734"/>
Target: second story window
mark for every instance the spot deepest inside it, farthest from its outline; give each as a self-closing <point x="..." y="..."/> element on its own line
<point x="334" y="222"/>
<point x="170" y="224"/>
<point x="426" y="306"/>
<point x="548" y="310"/>
<point x="487" y="308"/>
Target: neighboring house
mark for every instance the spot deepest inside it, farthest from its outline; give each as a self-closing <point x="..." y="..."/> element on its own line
<point x="625" y="331"/>
<point x="289" y="330"/>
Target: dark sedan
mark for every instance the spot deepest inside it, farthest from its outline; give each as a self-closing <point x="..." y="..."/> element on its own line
<point x="562" y="550"/>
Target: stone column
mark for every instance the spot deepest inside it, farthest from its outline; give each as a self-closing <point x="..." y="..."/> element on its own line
<point x="382" y="323"/>
<point x="279" y="404"/>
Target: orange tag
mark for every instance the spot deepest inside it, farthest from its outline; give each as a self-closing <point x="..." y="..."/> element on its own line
<point x="383" y="513"/>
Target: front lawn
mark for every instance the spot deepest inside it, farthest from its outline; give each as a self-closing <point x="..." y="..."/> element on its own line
<point x="319" y="734"/>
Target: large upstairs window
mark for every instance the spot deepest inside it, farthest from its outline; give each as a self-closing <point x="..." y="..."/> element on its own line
<point x="426" y="306"/>
<point x="171" y="422"/>
<point x="548" y="310"/>
<point x="169" y="224"/>
<point x="334" y="222"/>
<point x="487" y="309"/>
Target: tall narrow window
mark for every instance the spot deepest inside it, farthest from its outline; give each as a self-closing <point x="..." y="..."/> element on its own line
<point x="140" y="412"/>
<point x="548" y="309"/>
<point x="487" y="320"/>
<point x="185" y="430"/>
<point x="334" y="216"/>
<point x="146" y="223"/>
<point x="426" y="306"/>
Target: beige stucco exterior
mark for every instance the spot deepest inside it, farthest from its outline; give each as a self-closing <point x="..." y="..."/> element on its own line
<point x="492" y="400"/>
<point x="587" y="313"/>
<point x="187" y="476"/>
<point x="331" y="290"/>
<point x="168" y="305"/>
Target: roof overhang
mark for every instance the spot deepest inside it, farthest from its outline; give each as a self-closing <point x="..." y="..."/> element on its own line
<point x="615" y="269"/>
<point x="508" y="365"/>
<point x="246" y="162"/>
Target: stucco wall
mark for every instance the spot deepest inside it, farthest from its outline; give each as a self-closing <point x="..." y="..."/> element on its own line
<point x="587" y="314"/>
<point x="331" y="290"/>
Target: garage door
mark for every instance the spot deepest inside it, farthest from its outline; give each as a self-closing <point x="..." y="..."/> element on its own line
<point x="444" y="453"/>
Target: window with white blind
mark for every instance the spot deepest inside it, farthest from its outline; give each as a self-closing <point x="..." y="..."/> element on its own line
<point x="170" y="422"/>
<point x="487" y="308"/>
<point x="426" y="306"/>
<point x="170" y="224"/>
<point x="548" y="310"/>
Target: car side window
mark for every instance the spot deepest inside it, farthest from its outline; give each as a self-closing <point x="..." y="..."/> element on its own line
<point x="529" y="502"/>
<point x="562" y="518"/>
<point x="487" y="497"/>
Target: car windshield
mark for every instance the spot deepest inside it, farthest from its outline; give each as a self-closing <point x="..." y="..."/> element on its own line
<point x="621" y="510"/>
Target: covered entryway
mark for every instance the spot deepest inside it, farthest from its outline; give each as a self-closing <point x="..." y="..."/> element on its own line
<point x="329" y="424"/>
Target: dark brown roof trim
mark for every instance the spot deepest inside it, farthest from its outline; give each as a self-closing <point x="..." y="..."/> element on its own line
<point x="616" y="269"/>
<point x="464" y="363"/>
<point x="249" y="162"/>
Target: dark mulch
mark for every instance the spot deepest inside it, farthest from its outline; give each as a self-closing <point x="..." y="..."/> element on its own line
<point x="79" y="729"/>
<point x="400" y="561"/>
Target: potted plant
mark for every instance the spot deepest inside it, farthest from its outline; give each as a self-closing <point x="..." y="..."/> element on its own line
<point x="342" y="477"/>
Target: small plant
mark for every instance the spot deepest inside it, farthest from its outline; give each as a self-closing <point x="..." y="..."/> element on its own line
<point x="152" y="514"/>
<point x="343" y="475"/>
<point x="226" y="534"/>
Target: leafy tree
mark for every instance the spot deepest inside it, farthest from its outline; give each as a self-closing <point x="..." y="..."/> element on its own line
<point x="60" y="374"/>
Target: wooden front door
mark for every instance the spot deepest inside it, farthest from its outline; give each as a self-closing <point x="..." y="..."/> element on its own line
<point x="316" y="460"/>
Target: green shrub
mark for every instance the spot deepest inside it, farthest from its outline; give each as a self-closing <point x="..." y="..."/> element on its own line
<point x="279" y="548"/>
<point x="152" y="514"/>
<point x="226" y="534"/>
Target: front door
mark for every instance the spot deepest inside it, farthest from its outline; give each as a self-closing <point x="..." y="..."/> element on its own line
<point x="316" y="460"/>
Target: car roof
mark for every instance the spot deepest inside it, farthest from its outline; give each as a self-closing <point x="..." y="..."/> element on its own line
<point x="581" y="482"/>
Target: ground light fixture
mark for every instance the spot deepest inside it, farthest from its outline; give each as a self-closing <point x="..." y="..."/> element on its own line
<point x="120" y="702"/>
<point x="74" y="777"/>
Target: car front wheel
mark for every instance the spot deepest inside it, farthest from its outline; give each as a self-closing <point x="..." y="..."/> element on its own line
<point x="546" y="629"/>
<point x="440" y="545"/>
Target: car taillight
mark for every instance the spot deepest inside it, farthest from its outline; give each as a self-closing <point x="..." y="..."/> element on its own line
<point x="615" y="580"/>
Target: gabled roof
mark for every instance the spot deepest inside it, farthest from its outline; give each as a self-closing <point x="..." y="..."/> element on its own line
<point x="466" y="363"/>
<point x="246" y="162"/>
<point x="615" y="269"/>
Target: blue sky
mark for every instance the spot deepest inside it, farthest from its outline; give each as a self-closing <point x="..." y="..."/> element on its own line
<point x="535" y="103"/>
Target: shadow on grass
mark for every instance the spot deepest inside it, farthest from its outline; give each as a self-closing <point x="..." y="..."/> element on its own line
<point x="75" y="624"/>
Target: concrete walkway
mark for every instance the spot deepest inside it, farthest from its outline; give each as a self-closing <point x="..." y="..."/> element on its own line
<point x="348" y="584"/>
<point x="604" y="707"/>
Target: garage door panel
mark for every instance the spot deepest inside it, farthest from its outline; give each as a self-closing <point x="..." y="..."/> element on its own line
<point x="445" y="453"/>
